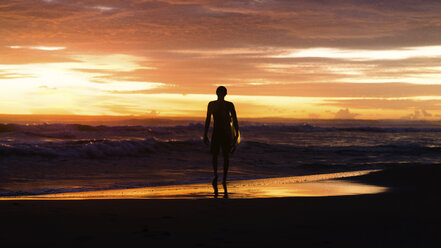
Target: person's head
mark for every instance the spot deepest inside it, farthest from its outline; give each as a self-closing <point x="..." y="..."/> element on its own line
<point x="221" y="91"/>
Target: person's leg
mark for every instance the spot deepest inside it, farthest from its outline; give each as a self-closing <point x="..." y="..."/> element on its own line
<point x="226" y="154"/>
<point x="215" y="148"/>
<point x="214" y="162"/>
<point x="214" y="182"/>
<point x="225" y="190"/>
<point x="226" y="165"/>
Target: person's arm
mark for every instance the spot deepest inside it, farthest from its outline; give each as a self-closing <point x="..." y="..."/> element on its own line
<point x="235" y="122"/>
<point x="207" y="124"/>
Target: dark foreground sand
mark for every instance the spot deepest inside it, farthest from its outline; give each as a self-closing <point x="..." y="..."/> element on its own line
<point x="406" y="216"/>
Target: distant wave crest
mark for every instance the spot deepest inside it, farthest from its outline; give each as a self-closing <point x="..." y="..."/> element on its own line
<point x="151" y="146"/>
<point x="95" y="148"/>
<point x="72" y="131"/>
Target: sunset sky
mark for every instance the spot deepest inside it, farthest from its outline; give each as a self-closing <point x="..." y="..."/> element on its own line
<point x="278" y="58"/>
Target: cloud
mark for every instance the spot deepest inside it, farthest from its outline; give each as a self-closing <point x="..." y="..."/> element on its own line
<point x="47" y="48"/>
<point x="44" y="48"/>
<point x="314" y="116"/>
<point x="269" y="28"/>
<point x="4" y="74"/>
<point x="365" y="53"/>
<point x="418" y="114"/>
<point x="153" y="113"/>
<point x="386" y="104"/>
<point x="425" y="113"/>
<point x="52" y="111"/>
<point x="33" y="56"/>
<point x="125" y="109"/>
<point x="104" y="8"/>
<point x="345" y="114"/>
<point x="353" y="90"/>
<point x="220" y="24"/>
<point x="47" y="87"/>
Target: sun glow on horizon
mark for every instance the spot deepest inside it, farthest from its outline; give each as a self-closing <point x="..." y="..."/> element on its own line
<point x="88" y="87"/>
<point x="69" y="87"/>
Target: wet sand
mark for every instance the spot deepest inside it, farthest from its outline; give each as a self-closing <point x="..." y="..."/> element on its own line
<point x="407" y="215"/>
<point x="327" y="184"/>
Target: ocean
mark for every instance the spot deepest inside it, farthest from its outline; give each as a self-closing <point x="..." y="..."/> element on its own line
<point x="45" y="158"/>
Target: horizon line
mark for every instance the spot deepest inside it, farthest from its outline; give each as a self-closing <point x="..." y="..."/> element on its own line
<point x="144" y="117"/>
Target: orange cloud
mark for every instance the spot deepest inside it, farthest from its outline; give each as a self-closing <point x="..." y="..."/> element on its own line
<point x="345" y="114"/>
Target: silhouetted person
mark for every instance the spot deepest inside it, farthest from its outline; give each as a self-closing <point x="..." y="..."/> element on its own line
<point x="223" y="113"/>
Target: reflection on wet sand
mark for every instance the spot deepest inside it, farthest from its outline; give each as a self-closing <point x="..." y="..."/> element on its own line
<point x="312" y="186"/>
<point x="216" y="190"/>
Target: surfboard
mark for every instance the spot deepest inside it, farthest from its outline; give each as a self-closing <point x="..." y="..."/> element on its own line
<point x="233" y="135"/>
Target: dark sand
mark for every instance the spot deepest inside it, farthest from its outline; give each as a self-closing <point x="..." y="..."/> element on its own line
<point x="408" y="215"/>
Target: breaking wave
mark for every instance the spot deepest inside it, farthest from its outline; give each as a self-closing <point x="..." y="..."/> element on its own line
<point x="84" y="141"/>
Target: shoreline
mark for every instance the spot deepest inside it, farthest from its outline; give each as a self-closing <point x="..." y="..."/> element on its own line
<point x="317" y="185"/>
<point x="406" y="216"/>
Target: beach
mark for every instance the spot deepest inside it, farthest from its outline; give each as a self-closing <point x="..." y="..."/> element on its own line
<point x="336" y="184"/>
<point x="263" y="123"/>
<point x="406" y="215"/>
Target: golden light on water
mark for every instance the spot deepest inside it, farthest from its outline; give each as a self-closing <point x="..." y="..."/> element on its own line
<point x="301" y="186"/>
<point x="235" y="191"/>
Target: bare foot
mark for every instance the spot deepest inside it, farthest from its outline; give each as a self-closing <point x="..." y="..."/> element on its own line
<point x="224" y="183"/>
<point x="215" y="187"/>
